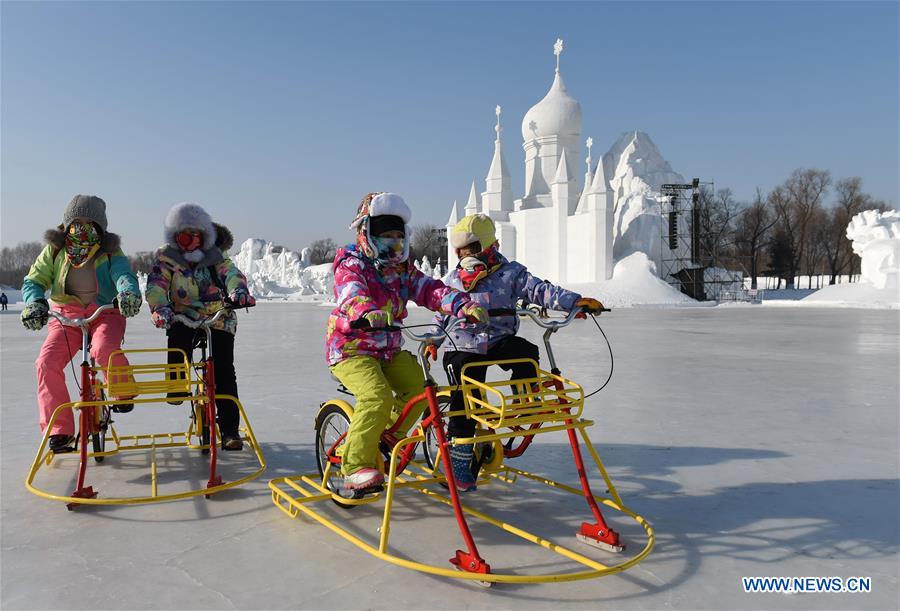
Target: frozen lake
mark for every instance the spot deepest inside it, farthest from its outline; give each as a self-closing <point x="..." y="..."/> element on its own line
<point x="756" y="441"/>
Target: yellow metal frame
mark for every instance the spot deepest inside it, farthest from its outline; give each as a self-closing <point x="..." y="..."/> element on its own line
<point x="521" y="402"/>
<point x="145" y="379"/>
<point x="296" y="494"/>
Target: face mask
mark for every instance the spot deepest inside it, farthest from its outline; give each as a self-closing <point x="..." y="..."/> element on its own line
<point x="476" y="267"/>
<point x="470" y="263"/>
<point x="82" y="242"/>
<point x="189" y="240"/>
<point x="390" y="250"/>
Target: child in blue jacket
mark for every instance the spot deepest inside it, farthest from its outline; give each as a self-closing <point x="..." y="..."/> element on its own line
<point x="494" y="283"/>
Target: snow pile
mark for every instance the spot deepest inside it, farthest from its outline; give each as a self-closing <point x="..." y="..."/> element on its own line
<point x="876" y="239"/>
<point x="636" y="172"/>
<point x="280" y="273"/>
<point x="634" y="282"/>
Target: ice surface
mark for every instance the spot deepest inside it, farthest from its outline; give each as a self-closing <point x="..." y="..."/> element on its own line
<point x="757" y="442"/>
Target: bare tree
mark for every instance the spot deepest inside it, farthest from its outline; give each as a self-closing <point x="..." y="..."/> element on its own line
<point x="142" y="261"/>
<point x="752" y="231"/>
<point x="16" y="261"/>
<point x="716" y="214"/>
<point x="815" y="253"/>
<point x="795" y="202"/>
<point x="428" y="241"/>
<point x="322" y="251"/>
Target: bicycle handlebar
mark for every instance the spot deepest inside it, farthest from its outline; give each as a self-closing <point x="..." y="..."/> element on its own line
<point x="554" y="325"/>
<point x="209" y="320"/>
<point x="80" y="322"/>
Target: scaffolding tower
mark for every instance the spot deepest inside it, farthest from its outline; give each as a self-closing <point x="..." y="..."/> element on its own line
<point x="684" y="263"/>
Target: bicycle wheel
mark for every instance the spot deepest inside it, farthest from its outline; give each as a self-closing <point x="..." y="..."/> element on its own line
<point x="332" y="425"/>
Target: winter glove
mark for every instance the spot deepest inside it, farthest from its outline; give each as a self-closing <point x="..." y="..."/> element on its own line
<point x="379" y="319"/>
<point x="590" y="305"/>
<point x="129" y="303"/>
<point x="35" y="314"/>
<point x="242" y="298"/>
<point x="473" y="313"/>
<point x="431" y="352"/>
<point x="162" y="317"/>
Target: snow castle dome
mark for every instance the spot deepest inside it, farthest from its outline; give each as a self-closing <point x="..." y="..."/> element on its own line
<point x="558" y="114"/>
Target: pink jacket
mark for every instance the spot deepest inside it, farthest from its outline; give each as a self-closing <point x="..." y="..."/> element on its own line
<point x="360" y="287"/>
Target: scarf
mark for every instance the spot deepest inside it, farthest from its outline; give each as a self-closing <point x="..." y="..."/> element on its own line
<point x="475" y="267"/>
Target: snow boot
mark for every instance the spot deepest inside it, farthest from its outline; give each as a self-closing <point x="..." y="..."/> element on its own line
<point x="362" y="482"/>
<point x="461" y="458"/>
<point x="231" y="441"/>
<point x="60" y="444"/>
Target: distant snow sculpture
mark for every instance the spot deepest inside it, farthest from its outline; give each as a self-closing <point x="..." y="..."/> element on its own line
<point x="876" y="239"/>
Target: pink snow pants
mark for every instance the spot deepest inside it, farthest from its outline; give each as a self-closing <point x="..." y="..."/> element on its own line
<point x="61" y="345"/>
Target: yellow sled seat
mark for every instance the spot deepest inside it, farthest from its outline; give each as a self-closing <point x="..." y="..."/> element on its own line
<point x="148" y="378"/>
<point x="546" y="399"/>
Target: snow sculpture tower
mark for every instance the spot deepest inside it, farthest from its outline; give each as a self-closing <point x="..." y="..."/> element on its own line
<point x="562" y="230"/>
<point x="550" y="128"/>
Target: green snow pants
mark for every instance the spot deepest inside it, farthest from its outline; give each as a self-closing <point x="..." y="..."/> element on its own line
<point x="373" y="382"/>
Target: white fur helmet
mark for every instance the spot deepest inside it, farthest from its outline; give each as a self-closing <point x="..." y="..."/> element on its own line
<point x="187" y="215"/>
<point x="382" y="204"/>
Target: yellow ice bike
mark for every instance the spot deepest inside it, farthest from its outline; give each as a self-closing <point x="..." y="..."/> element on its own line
<point x="150" y="383"/>
<point x="509" y="414"/>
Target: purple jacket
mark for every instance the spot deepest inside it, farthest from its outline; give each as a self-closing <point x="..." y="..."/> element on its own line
<point x="501" y="290"/>
<point x="360" y="287"/>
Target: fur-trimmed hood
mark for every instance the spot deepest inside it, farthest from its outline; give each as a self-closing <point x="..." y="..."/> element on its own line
<point x="110" y="243"/>
<point x="224" y="238"/>
<point x="187" y="214"/>
<point x="211" y="256"/>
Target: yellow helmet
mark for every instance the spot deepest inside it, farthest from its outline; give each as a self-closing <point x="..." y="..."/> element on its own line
<point x="474" y="228"/>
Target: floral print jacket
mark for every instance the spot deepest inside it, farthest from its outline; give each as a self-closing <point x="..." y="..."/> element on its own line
<point x="360" y="287"/>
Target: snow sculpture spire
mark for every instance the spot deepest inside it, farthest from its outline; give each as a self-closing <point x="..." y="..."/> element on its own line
<point x="497" y="198"/>
<point x="588" y="176"/>
<point x="557" y="51"/>
<point x="454" y="215"/>
<point x="473" y="206"/>
<point x="562" y="170"/>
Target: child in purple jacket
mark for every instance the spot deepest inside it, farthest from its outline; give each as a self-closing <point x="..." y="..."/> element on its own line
<point x="494" y="283"/>
<point x="373" y="280"/>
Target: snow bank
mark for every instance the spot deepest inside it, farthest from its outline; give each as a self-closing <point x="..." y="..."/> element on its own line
<point x="876" y="239"/>
<point x="634" y="282"/>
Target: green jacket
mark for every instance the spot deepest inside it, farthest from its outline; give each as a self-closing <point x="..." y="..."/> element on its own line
<point x="50" y="269"/>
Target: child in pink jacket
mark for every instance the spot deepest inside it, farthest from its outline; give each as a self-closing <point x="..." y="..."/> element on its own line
<point x="373" y="280"/>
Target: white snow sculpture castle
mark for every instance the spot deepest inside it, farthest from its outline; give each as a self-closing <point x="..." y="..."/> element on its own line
<point x="562" y="230"/>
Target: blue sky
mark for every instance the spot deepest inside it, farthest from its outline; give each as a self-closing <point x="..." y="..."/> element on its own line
<point x="278" y="117"/>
